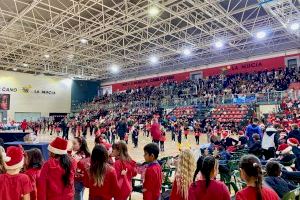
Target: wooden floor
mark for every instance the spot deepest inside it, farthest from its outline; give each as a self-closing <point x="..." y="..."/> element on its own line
<point x="171" y="148"/>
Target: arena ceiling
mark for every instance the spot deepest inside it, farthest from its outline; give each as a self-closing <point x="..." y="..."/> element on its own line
<point x="85" y="38"/>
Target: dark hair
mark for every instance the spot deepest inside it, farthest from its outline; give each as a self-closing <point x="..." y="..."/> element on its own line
<point x="99" y="161"/>
<point x="208" y="165"/>
<point x="66" y="164"/>
<point x="83" y="146"/>
<point x="255" y="120"/>
<point x="252" y="167"/>
<point x="152" y="148"/>
<point x="34" y="158"/>
<point x="273" y="168"/>
<point x="256" y="136"/>
<point x="198" y="167"/>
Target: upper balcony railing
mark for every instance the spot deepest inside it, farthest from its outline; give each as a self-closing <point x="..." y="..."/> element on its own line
<point x="272" y="97"/>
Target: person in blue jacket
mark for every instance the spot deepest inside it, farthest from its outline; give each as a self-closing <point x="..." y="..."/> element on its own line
<point x="252" y="129"/>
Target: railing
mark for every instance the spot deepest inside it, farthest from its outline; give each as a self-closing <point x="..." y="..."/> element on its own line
<point x="273" y="97"/>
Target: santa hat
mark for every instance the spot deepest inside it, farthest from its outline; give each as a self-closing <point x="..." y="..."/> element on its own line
<point x="241" y="133"/>
<point x="283" y="149"/>
<point x="293" y="142"/>
<point x="14" y="158"/>
<point x="58" y="146"/>
<point x="225" y="134"/>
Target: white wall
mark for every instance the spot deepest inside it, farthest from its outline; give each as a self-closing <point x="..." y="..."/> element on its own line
<point x="35" y="100"/>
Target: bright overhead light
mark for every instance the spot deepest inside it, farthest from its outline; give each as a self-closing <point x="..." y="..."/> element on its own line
<point x="83" y="41"/>
<point x="114" y="69"/>
<point x="153" y="11"/>
<point x="261" y="34"/>
<point x="25" y="65"/>
<point x="186" y="52"/>
<point x="154" y="59"/>
<point x="294" y="26"/>
<point x="47" y="56"/>
<point x="219" y="44"/>
<point x="15" y="69"/>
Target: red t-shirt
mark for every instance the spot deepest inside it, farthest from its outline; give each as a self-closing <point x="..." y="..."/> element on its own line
<point x="13" y="187"/>
<point x="155" y="131"/>
<point x="175" y="193"/>
<point x="108" y="190"/>
<point x="216" y="190"/>
<point x="249" y="193"/>
<point x="152" y="182"/>
<point x="131" y="168"/>
<point x="50" y="185"/>
<point x="33" y="174"/>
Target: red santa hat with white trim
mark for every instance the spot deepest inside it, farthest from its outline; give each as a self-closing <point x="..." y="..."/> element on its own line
<point x="293" y="142"/>
<point x="284" y="149"/>
<point x="14" y="158"/>
<point x="58" y="146"/>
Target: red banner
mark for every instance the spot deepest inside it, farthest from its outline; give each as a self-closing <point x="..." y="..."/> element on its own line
<point x="247" y="67"/>
<point x="154" y="81"/>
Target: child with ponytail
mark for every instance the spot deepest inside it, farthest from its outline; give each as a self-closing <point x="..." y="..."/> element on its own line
<point x="207" y="187"/>
<point x="251" y="173"/>
<point x="56" y="179"/>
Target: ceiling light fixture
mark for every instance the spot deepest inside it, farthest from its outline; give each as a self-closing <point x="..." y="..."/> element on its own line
<point x="47" y="56"/>
<point x="186" y="52"/>
<point x="115" y="69"/>
<point x="153" y="11"/>
<point x="219" y="44"/>
<point x="261" y="35"/>
<point x="83" y="41"/>
<point x="153" y="59"/>
<point x="294" y="26"/>
<point x="25" y="65"/>
<point x="15" y="69"/>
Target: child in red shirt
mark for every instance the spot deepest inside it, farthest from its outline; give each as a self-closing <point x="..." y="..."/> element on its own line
<point x="125" y="168"/>
<point x="162" y="140"/>
<point x="207" y="187"/>
<point x="100" y="177"/>
<point x="153" y="174"/>
<point x="56" y="180"/>
<point x="14" y="186"/>
<point x="251" y="172"/>
<point x="34" y="163"/>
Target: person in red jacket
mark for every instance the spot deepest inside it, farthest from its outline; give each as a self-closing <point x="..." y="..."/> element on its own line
<point x="56" y="180"/>
<point x="155" y="131"/>
<point x="33" y="165"/>
<point x="14" y="186"/>
<point x="207" y="187"/>
<point x="125" y="168"/>
<point x="100" y="177"/>
<point x="183" y="176"/>
<point x="251" y="173"/>
<point x="24" y="125"/>
<point x="153" y="175"/>
<point x="162" y="140"/>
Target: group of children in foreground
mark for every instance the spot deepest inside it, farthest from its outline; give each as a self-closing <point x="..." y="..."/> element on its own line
<point x="65" y="174"/>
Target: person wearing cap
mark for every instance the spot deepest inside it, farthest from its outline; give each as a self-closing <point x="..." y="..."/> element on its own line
<point x="56" y="180"/>
<point x="269" y="143"/>
<point x="14" y="186"/>
<point x="286" y="156"/>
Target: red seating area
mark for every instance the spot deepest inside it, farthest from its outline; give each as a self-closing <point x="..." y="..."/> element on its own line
<point x="189" y="111"/>
<point x="229" y="113"/>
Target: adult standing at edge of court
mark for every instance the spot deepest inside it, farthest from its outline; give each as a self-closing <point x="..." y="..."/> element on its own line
<point x="122" y="128"/>
<point x="155" y="131"/>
